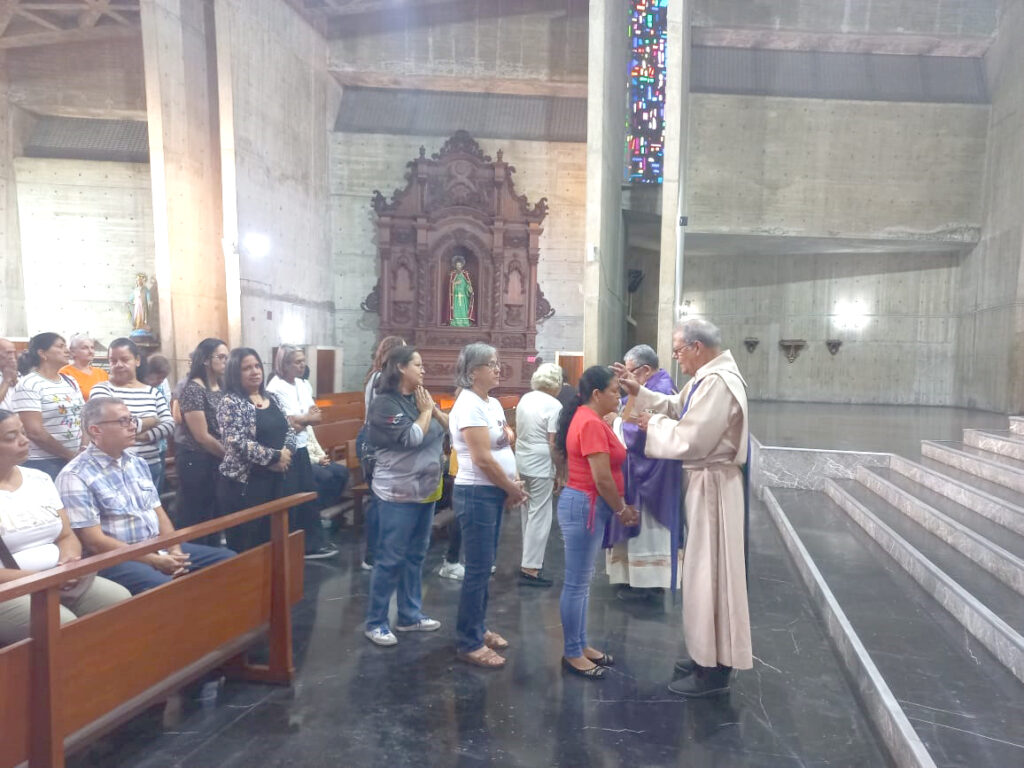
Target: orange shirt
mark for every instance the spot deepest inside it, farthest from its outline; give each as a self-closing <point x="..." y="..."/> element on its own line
<point x="86" y="381"/>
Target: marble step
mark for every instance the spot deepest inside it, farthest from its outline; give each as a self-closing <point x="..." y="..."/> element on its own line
<point x="988" y="466"/>
<point x="1017" y="425"/>
<point x="1001" y="442"/>
<point x="1000" y="494"/>
<point x="989" y="545"/>
<point x="988" y="609"/>
<point x="958" y="698"/>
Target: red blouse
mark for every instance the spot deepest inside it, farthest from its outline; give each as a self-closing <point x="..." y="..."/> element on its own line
<point x="588" y="435"/>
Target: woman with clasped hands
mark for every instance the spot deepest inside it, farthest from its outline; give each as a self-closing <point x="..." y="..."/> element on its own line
<point x="593" y="492"/>
<point x="485" y="485"/>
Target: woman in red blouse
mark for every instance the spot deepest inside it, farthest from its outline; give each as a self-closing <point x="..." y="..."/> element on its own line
<point x="594" y="492"/>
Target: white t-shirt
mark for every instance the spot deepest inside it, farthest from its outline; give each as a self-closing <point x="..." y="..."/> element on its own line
<point x="470" y="411"/>
<point x="5" y="404"/>
<point x="536" y="418"/>
<point x="60" y="403"/>
<point x="296" y="399"/>
<point x="30" y="520"/>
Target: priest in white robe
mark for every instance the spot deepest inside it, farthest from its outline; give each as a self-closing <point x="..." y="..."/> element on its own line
<point x="705" y="426"/>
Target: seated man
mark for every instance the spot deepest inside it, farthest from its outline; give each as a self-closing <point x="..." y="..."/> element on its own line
<point x="111" y="502"/>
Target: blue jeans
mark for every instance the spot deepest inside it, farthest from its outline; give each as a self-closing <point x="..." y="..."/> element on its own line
<point x="371" y="527"/>
<point x="52" y="467"/>
<point x="478" y="509"/>
<point x="157" y="472"/>
<point x="581" y="548"/>
<point x="138" y="577"/>
<point x="401" y="548"/>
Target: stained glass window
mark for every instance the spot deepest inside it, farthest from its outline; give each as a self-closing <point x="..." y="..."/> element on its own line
<point x="645" y="130"/>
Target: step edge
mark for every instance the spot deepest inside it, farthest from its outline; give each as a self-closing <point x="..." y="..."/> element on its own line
<point x="970" y="456"/>
<point x="1009" y="437"/>
<point x="966" y="602"/>
<point x="898" y="736"/>
<point x="899" y="461"/>
<point x="979" y="540"/>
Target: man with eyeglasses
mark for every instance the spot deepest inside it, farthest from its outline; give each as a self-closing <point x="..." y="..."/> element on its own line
<point x="111" y="502"/>
<point x="705" y="426"/>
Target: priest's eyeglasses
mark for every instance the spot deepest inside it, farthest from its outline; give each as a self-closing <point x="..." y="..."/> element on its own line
<point x="124" y="421"/>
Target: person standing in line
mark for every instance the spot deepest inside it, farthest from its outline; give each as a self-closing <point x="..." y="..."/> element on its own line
<point x="706" y="427"/>
<point x="485" y="485"/>
<point x="407" y="429"/>
<point x="258" y="446"/>
<point x="295" y="395"/>
<point x="81" y="369"/>
<point x="8" y="372"/>
<point x="145" y="403"/>
<point x="197" y="443"/>
<point x="536" y="425"/>
<point x="370" y="527"/>
<point x="643" y="559"/>
<point x="592" y="495"/>
<point x="49" y="404"/>
<point x="158" y="368"/>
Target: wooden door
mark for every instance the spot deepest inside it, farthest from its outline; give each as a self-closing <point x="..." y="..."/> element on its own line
<point x="325" y="371"/>
<point x="572" y="366"/>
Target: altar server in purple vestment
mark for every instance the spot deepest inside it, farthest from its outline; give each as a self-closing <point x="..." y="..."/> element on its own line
<point x="705" y="427"/>
<point x="644" y="558"/>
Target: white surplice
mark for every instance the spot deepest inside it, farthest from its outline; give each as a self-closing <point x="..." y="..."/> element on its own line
<point x="711" y="440"/>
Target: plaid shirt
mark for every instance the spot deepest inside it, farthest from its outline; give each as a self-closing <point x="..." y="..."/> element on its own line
<point x="116" y="494"/>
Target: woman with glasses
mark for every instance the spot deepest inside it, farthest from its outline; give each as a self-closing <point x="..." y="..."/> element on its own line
<point x="485" y="484"/>
<point x="197" y="444"/>
<point x="145" y="403"/>
<point x="258" y="445"/>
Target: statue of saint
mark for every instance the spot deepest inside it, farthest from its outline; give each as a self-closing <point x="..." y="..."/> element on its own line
<point x="140" y="304"/>
<point x="460" y="294"/>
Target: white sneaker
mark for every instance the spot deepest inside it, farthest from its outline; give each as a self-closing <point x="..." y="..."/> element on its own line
<point x="423" y="625"/>
<point x="381" y="636"/>
<point x="494" y="568"/>
<point x="365" y="566"/>
<point x="455" y="571"/>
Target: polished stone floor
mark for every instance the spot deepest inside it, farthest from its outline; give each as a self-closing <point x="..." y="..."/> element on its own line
<point x="885" y="428"/>
<point x="415" y="705"/>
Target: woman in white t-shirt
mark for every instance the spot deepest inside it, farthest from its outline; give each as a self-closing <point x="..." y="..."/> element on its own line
<point x="485" y="484"/>
<point x="536" y="426"/>
<point x="35" y="532"/>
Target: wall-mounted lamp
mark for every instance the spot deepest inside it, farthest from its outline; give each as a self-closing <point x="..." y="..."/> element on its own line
<point x="833" y="345"/>
<point x="751" y="343"/>
<point x="792" y="348"/>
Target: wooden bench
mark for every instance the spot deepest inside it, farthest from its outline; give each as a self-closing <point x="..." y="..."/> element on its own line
<point x="67" y="685"/>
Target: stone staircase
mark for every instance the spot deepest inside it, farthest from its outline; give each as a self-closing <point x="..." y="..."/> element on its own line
<point x="918" y="569"/>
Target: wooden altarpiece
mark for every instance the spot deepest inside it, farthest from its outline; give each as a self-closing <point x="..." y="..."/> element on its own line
<point x="461" y="206"/>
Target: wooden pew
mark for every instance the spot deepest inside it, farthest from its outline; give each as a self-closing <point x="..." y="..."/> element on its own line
<point x="335" y="436"/>
<point x="343" y="412"/>
<point x="67" y="685"/>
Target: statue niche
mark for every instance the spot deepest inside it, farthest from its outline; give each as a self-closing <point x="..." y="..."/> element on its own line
<point x="458" y="251"/>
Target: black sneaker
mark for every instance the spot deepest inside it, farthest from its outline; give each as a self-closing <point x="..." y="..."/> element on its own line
<point x="534" y="581"/>
<point x="703" y="682"/>
<point x="327" y="550"/>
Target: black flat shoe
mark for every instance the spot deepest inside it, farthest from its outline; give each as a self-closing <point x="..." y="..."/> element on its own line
<point x="606" y="660"/>
<point x="594" y="673"/>
<point x="534" y="581"/>
<point x="684" y="667"/>
<point x="703" y="682"/>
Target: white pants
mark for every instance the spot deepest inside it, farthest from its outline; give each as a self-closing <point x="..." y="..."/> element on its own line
<point x="15" y="615"/>
<point x="644" y="561"/>
<point x="536" y="517"/>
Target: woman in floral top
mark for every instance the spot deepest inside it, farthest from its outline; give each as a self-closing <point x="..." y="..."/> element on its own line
<point x="258" y="444"/>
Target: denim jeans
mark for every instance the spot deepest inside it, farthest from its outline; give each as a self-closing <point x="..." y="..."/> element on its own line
<point x="156" y="471"/>
<point x="478" y="509"/>
<point x="401" y="548"/>
<point x="371" y="527"/>
<point x="581" y="548"/>
<point x="52" y="467"/>
<point x="138" y="577"/>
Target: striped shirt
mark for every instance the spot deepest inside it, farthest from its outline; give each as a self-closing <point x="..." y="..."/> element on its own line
<point x="143" y="402"/>
<point x="116" y="494"/>
<point x="60" y="403"/>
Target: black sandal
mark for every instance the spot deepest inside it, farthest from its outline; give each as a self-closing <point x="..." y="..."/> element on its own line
<point x="606" y="660"/>
<point x="594" y="673"/>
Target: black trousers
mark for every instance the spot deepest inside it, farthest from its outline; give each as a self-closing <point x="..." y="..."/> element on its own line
<point x="196" y="499"/>
<point x="233" y="496"/>
<point x="297" y="479"/>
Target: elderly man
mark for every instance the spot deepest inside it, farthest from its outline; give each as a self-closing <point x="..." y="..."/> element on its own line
<point x="111" y="502"/>
<point x="643" y="558"/>
<point x="8" y="372"/>
<point x="705" y="426"/>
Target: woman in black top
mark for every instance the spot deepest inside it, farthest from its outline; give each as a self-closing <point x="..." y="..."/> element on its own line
<point x="258" y="445"/>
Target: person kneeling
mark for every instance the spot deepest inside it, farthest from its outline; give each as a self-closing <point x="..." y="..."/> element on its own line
<point x="112" y="502"/>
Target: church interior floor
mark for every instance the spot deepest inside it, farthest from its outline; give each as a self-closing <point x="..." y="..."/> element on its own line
<point x="415" y="705"/>
<point x="883" y="428"/>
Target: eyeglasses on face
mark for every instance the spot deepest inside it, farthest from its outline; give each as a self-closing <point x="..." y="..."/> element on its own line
<point x="124" y="421"/>
<point x="678" y="350"/>
<point x="494" y="365"/>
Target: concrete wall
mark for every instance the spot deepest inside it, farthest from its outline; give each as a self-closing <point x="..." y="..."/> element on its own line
<point x="991" y="296"/>
<point x="86" y="231"/>
<point x="12" y="289"/>
<point x="361" y="163"/>
<point x="826" y="168"/>
<point x="904" y="354"/>
<point x="281" y="103"/>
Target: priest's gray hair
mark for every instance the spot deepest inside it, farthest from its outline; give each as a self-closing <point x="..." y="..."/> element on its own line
<point x="642" y="354"/>
<point x="547" y="376"/>
<point x="95" y="408"/>
<point x="698" y="329"/>
<point x="472" y="357"/>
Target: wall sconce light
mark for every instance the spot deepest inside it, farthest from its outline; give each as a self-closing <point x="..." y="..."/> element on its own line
<point x="833" y="346"/>
<point x="792" y="348"/>
<point x="850" y="315"/>
<point x="751" y="344"/>
<point x="256" y="245"/>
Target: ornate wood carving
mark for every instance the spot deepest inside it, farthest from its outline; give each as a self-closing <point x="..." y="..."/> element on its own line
<point x="459" y="210"/>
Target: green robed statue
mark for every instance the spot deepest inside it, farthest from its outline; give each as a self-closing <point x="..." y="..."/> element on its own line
<point x="460" y="295"/>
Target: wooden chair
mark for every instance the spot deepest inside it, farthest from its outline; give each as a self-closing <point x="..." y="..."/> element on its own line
<point x="67" y="685"/>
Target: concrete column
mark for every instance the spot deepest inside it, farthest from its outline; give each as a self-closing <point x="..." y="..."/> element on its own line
<point x="673" y="192"/>
<point x="181" y="106"/>
<point x="12" y="286"/>
<point x="604" y="289"/>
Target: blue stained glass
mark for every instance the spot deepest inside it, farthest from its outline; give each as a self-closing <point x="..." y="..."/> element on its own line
<point x="646" y="85"/>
